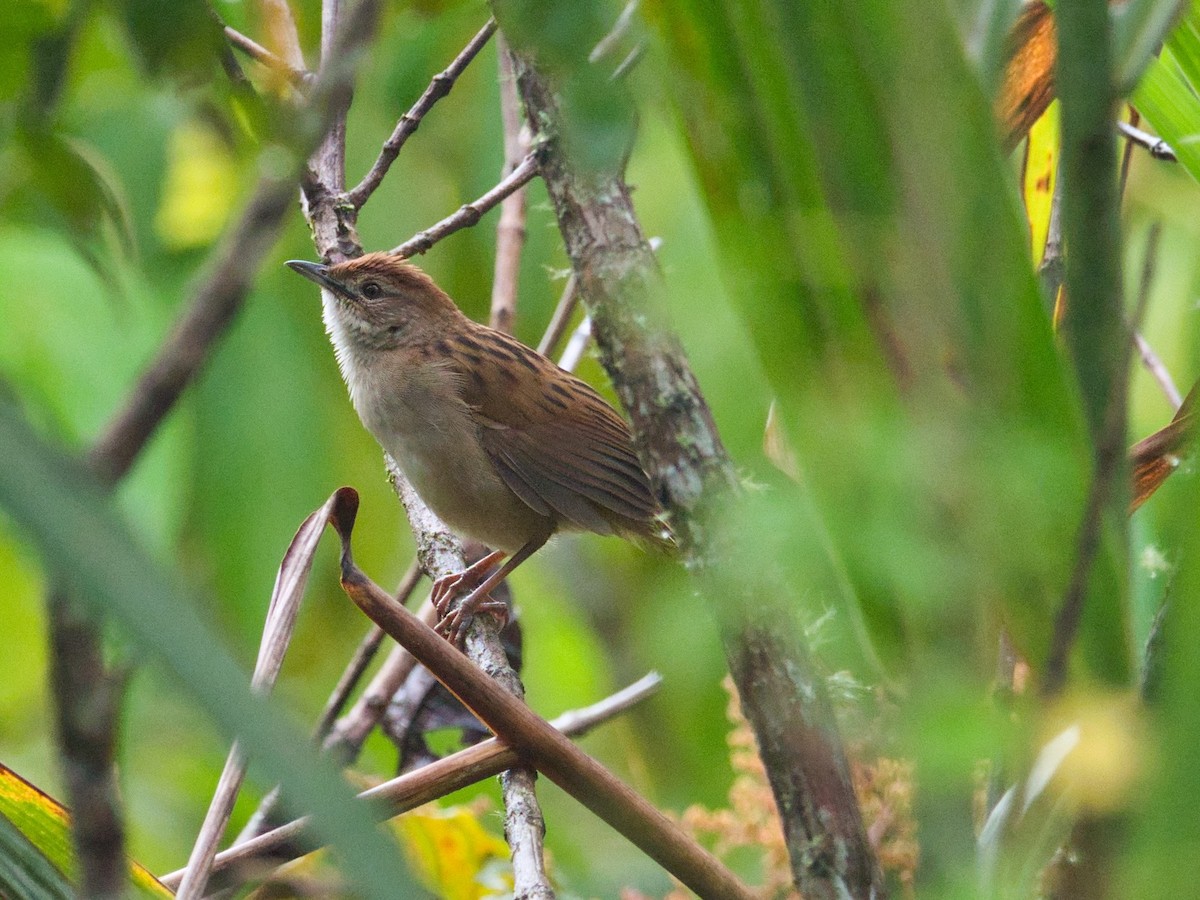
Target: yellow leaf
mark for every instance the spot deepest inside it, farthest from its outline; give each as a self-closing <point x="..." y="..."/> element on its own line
<point x="1037" y="181"/>
<point x="456" y="857"/>
<point x="199" y="189"/>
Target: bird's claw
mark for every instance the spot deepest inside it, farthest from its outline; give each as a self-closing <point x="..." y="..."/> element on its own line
<point x="446" y="588"/>
<point x="455" y="622"/>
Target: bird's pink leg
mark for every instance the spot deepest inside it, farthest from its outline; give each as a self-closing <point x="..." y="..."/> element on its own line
<point x="454" y="625"/>
<point x="446" y="588"/>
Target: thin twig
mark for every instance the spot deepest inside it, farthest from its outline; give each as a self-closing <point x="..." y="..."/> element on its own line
<point x="259" y="53"/>
<point x="284" y="36"/>
<point x="349" y="733"/>
<point x="510" y="229"/>
<point x="1155" y="366"/>
<point x="576" y="345"/>
<point x="446" y="775"/>
<point x="1053" y="270"/>
<point x="632" y="58"/>
<point x="1156" y="146"/>
<point x="438" y="88"/>
<point x="1126" y="152"/>
<point x="618" y="31"/>
<point x="561" y="318"/>
<point x="470" y="213"/>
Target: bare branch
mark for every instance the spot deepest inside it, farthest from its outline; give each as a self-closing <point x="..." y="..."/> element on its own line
<point x="452" y="773"/>
<point x="470" y="213"/>
<point x="561" y="318"/>
<point x="1156" y="146"/>
<point x="259" y="53"/>
<point x="438" y="88"/>
<point x="87" y="705"/>
<point x="510" y="230"/>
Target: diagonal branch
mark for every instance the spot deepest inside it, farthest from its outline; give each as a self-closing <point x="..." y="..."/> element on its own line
<point x="297" y="77"/>
<point x="784" y="696"/>
<point x="536" y="740"/>
<point x="470" y="213"/>
<point x="438" y="88"/>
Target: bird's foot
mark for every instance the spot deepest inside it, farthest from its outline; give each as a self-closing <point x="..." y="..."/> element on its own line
<point x="446" y="588"/>
<point x="454" y="622"/>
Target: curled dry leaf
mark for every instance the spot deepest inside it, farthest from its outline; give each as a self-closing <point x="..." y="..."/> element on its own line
<point x="1155" y="457"/>
<point x="1028" y="85"/>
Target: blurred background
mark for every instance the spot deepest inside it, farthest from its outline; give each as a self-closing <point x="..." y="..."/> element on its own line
<point x="269" y="433"/>
<point x="103" y="230"/>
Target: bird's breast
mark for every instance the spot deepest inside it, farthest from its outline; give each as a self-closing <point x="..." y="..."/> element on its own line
<point x="416" y="414"/>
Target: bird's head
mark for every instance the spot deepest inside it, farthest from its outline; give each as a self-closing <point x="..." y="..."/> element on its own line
<point x="380" y="302"/>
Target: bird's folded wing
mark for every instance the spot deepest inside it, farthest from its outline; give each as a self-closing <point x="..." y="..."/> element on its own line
<point x="578" y="474"/>
<point x="554" y="440"/>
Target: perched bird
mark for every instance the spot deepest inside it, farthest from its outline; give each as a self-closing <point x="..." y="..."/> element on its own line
<point x="502" y="444"/>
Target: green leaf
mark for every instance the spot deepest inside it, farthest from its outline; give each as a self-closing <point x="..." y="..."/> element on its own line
<point x="64" y="513"/>
<point x="26" y="873"/>
<point x="1168" y="102"/>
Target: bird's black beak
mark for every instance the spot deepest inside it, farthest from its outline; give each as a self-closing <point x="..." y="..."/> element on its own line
<point x="318" y="273"/>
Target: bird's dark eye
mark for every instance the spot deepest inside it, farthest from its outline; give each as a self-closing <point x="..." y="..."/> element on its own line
<point x="371" y="290"/>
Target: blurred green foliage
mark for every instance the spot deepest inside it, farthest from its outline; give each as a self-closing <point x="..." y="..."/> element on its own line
<point x="792" y="162"/>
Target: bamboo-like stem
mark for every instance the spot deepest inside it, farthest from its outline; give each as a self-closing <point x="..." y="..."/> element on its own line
<point x="513" y="722"/>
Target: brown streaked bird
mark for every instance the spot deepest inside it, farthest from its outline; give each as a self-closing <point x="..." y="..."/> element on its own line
<point x="502" y="444"/>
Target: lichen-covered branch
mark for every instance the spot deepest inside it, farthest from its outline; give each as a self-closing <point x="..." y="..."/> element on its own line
<point x="783" y="695"/>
